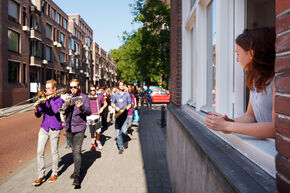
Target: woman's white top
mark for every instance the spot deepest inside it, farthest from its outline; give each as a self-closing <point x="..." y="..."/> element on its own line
<point x="262" y="103"/>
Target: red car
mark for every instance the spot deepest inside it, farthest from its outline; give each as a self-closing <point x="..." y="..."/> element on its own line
<point x="160" y="96"/>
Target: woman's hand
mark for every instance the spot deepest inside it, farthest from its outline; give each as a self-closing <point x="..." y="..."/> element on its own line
<point x="216" y="121"/>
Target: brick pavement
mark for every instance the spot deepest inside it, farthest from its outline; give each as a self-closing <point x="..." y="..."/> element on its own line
<point x="141" y="168"/>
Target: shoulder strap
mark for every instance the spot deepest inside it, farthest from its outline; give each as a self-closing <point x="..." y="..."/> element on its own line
<point x="98" y="103"/>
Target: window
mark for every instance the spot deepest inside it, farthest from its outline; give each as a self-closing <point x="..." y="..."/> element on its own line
<point x="34" y="22"/>
<point x="71" y="44"/>
<point x="211" y="58"/>
<point x="52" y="16"/>
<point x="49" y="74"/>
<point x="13" y="10"/>
<point x="48" y="10"/>
<point x="88" y="41"/>
<point x="24" y="16"/>
<point x="48" y="53"/>
<point x="72" y="61"/>
<point x="61" y="57"/>
<point x="43" y="6"/>
<point x="75" y="31"/>
<point x="58" y="18"/>
<point x="48" y="31"/>
<point x="77" y="48"/>
<point x="13" y="41"/>
<point x="79" y="35"/>
<point x="13" y="72"/>
<point x="74" y="20"/>
<point x="35" y="48"/>
<point x="24" y="74"/>
<point x="65" y="24"/>
<point x="62" y="38"/>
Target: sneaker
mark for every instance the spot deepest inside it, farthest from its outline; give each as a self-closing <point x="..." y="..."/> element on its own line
<point x="93" y="148"/>
<point x="52" y="178"/>
<point x="76" y="181"/>
<point x="125" y="145"/>
<point x="39" y="181"/>
<point x="121" y="151"/>
<point x="99" y="145"/>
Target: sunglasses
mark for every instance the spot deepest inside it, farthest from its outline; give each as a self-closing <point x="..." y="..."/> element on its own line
<point x="73" y="87"/>
<point x="93" y="90"/>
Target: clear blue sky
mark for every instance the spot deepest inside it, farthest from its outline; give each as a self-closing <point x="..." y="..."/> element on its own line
<point x="107" y="18"/>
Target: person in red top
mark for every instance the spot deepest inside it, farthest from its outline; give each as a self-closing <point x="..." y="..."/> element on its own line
<point x="94" y="121"/>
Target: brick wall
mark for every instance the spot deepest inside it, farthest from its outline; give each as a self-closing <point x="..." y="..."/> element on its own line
<point x="175" y="51"/>
<point x="282" y="99"/>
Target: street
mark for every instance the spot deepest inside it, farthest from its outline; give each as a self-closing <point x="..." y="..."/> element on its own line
<point x="19" y="133"/>
<point x="141" y="168"/>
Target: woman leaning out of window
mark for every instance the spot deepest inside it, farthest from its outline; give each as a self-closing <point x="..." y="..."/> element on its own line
<point x="255" y="50"/>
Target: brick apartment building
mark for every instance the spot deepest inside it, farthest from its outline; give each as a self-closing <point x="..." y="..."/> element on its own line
<point x="205" y="77"/>
<point x="43" y="43"/>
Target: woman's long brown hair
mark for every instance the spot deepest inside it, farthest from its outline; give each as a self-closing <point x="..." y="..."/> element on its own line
<point x="260" y="70"/>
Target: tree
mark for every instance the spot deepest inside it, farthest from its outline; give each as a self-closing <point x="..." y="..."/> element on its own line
<point x="144" y="55"/>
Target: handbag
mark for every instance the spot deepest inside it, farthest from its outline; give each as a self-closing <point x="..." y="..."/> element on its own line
<point x="136" y="116"/>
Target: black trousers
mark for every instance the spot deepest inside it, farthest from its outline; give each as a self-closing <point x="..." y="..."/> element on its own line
<point x="76" y="141"/>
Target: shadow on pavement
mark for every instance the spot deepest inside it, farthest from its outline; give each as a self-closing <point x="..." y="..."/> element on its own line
<point x="88" y="158"/>
<point x="153" y="146"/>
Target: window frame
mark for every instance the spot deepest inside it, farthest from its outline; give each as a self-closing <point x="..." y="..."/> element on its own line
<point x="18" y="42"/>
<point x="50" y="55"/>
<point x="46" y="34"/>
<point x="230" y="83"/>
<point x="11" y="17"/>
<point x="17" y="72"/>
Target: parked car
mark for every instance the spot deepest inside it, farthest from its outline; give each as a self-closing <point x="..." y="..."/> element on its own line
<point x="160" y="96"/>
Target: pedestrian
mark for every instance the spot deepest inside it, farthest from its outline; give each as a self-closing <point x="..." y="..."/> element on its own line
<point x="121" y="102"/>
<point x="142" y="95"/>
<point x="50" y="129"/>
<point x="76" y="112"/>
<point x="256" y="54"/>
<point x="130" y="111"/>
<point x="94" y="121"/>
<point x="148" y="97"/>
<point x="105" y="112"/>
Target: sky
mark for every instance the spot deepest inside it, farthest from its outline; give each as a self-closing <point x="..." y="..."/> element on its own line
<point x="107" y="18"/>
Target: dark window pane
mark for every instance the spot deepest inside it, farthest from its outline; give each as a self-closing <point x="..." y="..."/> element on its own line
<point x="13" y="72"/>
<point x="13" y="41"/>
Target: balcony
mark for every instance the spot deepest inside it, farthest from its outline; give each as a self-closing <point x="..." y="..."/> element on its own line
<point x="35" y="33"/>
<point x="71" y="70"/>
<point x="35" y="61"/>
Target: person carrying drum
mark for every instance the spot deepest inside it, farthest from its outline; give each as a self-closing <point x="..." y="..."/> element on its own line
<point x="94" y="121"/>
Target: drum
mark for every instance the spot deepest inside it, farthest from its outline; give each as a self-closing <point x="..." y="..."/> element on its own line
<point x="94" y="120"/>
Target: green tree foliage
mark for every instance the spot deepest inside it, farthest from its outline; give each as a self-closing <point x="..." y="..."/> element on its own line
<point x="144" y="55"/>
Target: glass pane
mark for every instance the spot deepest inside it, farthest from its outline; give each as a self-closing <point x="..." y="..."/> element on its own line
<point x="48" y="31"/>
<point x="13" y="72"/>
<point x="48" y="53"/>
<point x="211" y="54"/>
<point x="13" y="41"/>
<point x="24" y="73"/>
<point x="13" y="9"/>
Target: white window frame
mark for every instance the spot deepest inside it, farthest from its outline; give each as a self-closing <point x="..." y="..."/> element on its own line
<point x="230" y="92"/>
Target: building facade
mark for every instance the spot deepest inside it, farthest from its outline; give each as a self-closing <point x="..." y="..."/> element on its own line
<point x="43" y="43"/>
<point x="206" y="77"/>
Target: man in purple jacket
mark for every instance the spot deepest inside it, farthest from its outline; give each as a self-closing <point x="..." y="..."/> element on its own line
<point x="50" y="129"/>
<point x="76" y="112"/>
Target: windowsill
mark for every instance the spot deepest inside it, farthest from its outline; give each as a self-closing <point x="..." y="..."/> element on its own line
<point x="259" y="150"/>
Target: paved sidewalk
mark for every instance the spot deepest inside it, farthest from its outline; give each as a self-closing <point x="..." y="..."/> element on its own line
<point x="141" y="168"/>
<point x="16" y="109"/>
